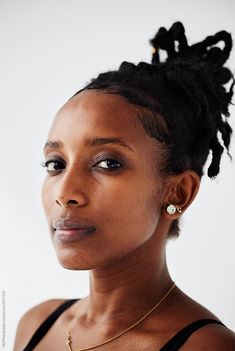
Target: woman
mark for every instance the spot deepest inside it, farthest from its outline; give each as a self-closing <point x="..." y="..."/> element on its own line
<point x="124" y="158"/>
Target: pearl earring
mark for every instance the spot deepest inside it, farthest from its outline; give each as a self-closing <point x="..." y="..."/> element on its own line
<point x="171" y="209"/>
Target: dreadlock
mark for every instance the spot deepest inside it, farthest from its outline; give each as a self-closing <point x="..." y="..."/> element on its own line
<point x="183" y="102"/>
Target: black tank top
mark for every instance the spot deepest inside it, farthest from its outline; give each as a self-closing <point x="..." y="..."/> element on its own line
<point x="172" y="345"/>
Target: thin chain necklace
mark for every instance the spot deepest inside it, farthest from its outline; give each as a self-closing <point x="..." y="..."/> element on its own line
<point x="69" y="340"/>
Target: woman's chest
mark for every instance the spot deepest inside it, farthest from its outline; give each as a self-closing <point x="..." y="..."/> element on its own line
<point x="59" y="341"/>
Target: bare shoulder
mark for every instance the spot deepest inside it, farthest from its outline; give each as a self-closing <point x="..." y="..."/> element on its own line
<point x="214" y="337"/>
<point x="211" y="337"/>
<point x="32" y="319"/>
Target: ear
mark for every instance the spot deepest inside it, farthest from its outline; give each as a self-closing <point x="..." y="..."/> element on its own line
<point x="181" y="190"/>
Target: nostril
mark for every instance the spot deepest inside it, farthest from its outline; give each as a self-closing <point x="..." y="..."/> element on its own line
<point x="62" y="202"/>
<point x="72" y="202"/>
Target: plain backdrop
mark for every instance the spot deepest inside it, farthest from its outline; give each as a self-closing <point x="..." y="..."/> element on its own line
<point x="49" y="50"/>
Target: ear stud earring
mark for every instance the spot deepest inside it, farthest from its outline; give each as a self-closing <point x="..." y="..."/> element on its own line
<point x="171" y="209"/>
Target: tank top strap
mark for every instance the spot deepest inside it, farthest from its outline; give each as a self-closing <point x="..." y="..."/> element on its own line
<point x="178" y="339"/>
<point x="47" y="323"/>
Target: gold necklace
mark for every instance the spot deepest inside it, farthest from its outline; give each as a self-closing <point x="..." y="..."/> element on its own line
<point x="69" y="340"/>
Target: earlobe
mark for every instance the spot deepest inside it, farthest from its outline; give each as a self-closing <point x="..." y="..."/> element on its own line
<point x="181" y="191"/>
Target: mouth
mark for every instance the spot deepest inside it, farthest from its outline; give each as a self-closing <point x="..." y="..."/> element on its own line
<point x="70" y="230"/>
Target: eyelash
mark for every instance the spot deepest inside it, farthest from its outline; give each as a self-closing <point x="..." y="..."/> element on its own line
<point x="49" y="162"/>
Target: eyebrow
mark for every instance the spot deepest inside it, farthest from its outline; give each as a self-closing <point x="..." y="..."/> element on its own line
<point x="57" y="144"/>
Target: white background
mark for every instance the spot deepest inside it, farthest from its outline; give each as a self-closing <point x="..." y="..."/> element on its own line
<point x="49" y="50"/>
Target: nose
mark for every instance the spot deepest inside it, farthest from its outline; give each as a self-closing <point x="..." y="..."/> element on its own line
<point x="71" y="190"/>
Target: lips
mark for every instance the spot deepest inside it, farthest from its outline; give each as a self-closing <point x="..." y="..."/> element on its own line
<point x="68" y="223"/>
<point x="68" y="230"/>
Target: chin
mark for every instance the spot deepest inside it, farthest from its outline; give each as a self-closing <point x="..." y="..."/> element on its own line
<point x="71" y="260"/>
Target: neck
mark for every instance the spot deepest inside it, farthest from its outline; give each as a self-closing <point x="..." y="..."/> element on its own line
<point x="131" y="286"/>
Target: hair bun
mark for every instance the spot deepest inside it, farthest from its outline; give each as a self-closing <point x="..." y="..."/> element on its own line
<point x="203" y="51"/>
<point x="200" y="67"/>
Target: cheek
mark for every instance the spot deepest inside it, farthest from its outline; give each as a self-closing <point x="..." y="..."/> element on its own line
<point x="129" y="214"/>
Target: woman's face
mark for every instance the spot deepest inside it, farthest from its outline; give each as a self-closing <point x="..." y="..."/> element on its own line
<point x="102" y="174"/>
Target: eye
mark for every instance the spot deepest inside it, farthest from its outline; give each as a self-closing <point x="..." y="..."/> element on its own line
<point x="109" y="164"/>
<point x="53" y="165"/>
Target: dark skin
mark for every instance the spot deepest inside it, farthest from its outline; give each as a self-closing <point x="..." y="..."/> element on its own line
<point x="126" y="255"/>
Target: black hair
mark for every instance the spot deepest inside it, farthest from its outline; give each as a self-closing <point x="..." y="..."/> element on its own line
<point x="183" y="102"/>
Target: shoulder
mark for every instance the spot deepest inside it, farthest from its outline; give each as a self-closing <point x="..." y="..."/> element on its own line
<point x="211" y="337"/>
<point x="214" y="337"/>
<point x="32" y="319"/>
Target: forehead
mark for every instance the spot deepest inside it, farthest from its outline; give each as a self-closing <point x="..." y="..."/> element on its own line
<point x="95" y="113"/>
<point x="96" y="107"/>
